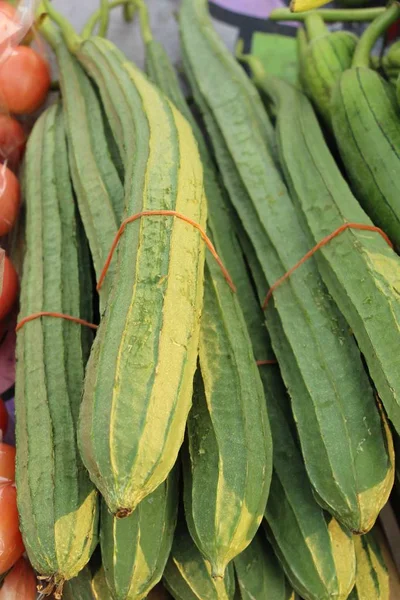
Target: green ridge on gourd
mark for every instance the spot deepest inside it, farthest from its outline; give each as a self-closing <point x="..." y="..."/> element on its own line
<point x="57" y="502"/>
<point x="359" y="268"/>
<point x="366" y="123"/>
<point x="139" y="379"/>
<point x="316" y="553"/>
<point x="98" y="188"/>
<point x="229" y="399"/>
<point x="320" y="362"/>
<point x="187" y="575"/>
<point x="135" y="550"/>
<point x="259" y="575"/>
<point x="372" y="580"/>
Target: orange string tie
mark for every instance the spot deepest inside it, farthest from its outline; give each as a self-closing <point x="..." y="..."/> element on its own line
<point x="320" y="245"/>
<point x="57" y="316"/>
<point x="260" y="363"/>
<point x="164" y="213"/>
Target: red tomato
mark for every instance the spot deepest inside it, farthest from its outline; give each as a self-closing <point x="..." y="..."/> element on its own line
<point x="7" y="463"/>
<point x="12" y="141"/>
<point x="3" y="418"/>
<point x="24" y="81"/>
<point x="8" y="10"/>
<point x="10" y="199"/>
<point x="11" y="544"/>
<point x="10" y="288"/>
<point x="20" y="583"/>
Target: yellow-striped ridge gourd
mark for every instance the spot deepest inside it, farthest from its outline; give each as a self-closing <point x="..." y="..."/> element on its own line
<point x="359" y="268"/>
<point x="98" y="188"/>
<point x="315" y="551"/>
<point x="372" y="579"/>
<point x="226" y="489"/>
<point x="366" y="123"/>
<point x="187" y="575"/>
<point x="56" y="500"/>
<point x="319" y="359"/>
<point x="318" y="572"/>
<point x="139" y="379"/>
<point x="135" y="550"/>
<point x="259" y="575"/>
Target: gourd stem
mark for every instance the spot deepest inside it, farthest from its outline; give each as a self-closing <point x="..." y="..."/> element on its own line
<point x="129" y="11"/>
<point x="72" y="39"/>
<point x="315" y="26"/>
<point x="104" y="18"/>
<point x="329" y="15"/>
<point x="144" y="21"/>
<point x="302" y="47"/>
<point x="373" y="32"/>
<point x="91" y="23"/>
<point x="49" y="31"/>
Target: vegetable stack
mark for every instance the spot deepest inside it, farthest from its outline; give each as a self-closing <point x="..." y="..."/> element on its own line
<point x="227" y="429"/>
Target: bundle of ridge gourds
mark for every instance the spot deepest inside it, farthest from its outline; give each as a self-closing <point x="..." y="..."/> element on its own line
<point x="217" y="404"/>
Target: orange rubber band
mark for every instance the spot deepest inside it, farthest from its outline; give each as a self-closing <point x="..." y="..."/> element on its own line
<point x="320" y="245"/>
<point x="57" y="316"/>
<point x="165" y="213"/>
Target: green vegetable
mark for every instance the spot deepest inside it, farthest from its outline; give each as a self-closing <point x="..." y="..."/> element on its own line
<point x="372" y="579"/>
<point x="98" y="188"/>
<point x="366" y="122"/>
<point x="391" y="62"/>
<point x="87" y="586"/>
<point x="316" y="553"/>
<point x="360" y="269"/>
<point x="187" y="575"/>
<point x="57" y="503"/>
<point x="138" y="385"/>
<point x="319" y="359"/>
<point x="226" y="487"/>
<point x="259" y="574"/>
<point x="136" y="549"/>
<point x="328" y="54"/>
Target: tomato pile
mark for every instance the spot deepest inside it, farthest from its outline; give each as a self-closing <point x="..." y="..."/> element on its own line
<point x="24" y="84"/>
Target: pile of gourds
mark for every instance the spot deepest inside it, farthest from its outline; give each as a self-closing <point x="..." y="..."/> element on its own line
<point x="229" y="426"/>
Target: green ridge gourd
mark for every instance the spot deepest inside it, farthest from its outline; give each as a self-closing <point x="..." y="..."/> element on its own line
<point x="139" y="379"/>
<point x="187" y="575"/>
<point x="359" y="268"/>
<point x="318" y="570"/>
<point x="327" y="55"/>
<point x="316" y="553"/>
<point x="229" y="400"/>
<point x="259" y="575"/>
<point x="366" y="123"/>
<point x="135" y="550"/>
<point x="98" y="188"/>
<point x="320" y="361"/>
<point x="57" y="503"/>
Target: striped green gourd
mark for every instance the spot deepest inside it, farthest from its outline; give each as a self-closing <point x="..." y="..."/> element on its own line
<point x="320" y="362"/>
<point x="366" y="123"/>
<point x="226" y="487"/>
<point x="187" y="575"/>
<point x="327" y="55"/>
<point x="87" y="586"/>
<point x="361" y="271"/>
<point x="316" y="553"/>
<point x="318" y="571"/>
<point x="135" y="550"/>
<point x="139" y="379"/>
<point x="97" y="185"/>
<point x="372" y="580"/>
<point x="57" y="502"/>
<point x="259" y="575"/>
